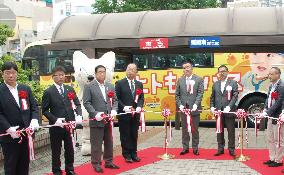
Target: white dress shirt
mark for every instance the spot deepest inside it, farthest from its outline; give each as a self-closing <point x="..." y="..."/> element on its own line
<point x="58" y="88"/>
<point x="187" y="82"/>
<point x="223" y="84"/>
<point x="129" y="83"/>
<point x="14" y="92"/>
<point x="103" y="89"/>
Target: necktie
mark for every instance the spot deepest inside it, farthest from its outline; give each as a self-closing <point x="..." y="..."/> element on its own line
<point x="61" y="91"/>
<point x="132" y="87"/>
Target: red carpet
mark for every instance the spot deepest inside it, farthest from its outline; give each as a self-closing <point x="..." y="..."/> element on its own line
<point x="148" y="156"/>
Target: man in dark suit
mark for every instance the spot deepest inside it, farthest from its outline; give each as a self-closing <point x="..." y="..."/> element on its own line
<point x="224" y="96"/>
<point x="273" y="108"/>
<point x="189" y="93"/>
<point x="126" y="91"/>
<point x="18" y="110"/>
<point x="60" y="104"/>
<point x="96" y="98"/>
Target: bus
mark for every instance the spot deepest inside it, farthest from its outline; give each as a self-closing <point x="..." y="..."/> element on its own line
<point x="249" y="41"/>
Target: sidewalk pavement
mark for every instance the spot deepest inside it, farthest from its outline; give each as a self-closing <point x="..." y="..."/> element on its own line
<point x="154" y="137"/>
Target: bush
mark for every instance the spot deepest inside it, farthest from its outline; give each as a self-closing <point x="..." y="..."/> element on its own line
<point x="23" y="78"/>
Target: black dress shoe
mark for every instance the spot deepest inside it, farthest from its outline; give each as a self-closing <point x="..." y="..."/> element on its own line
<point x="128" y="160"/>
<point x="111" y="166"/>
<point x="196" y="152"/>
<point x="70" y="173"/>
<point x="268" y="162"/>
<point x="136" y="159"/>
<point x="219" y="153"/>
<point x="275" y="164"/>
<point x="98" y="169"/>
<point x="185" y="151"/>
<point x="232" y="153"/>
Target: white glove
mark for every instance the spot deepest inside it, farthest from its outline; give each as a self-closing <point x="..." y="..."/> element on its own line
<point x="212" y="109"/>
<point x="78" y="119"/>
<point x="34" y="124"/>
<point x="138" y="109"/>
<point x="263" y="114"/>
<point x="113" y="113"/>
<point x="59" y="122"/>
<point x="12" y="131"/>
<point x="181" y="107"/>
<point x="127" y="108"/>
<point x="99" y="117"/>
<point x="194" y="107"/>
<point x="227" y="109"/>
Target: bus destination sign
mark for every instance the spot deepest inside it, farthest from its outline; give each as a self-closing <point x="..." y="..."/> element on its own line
<point x="204" y="42"/>
<point x="154" y="43"/>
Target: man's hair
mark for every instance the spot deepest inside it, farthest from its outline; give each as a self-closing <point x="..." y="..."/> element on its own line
<point x="223" y="66"/>
<point x="9" y="65"/>
<point x="58" y="69"/>
<point x="187" y="62"/>
<point x="277" y="69"/>
<point x="99" y="66"/>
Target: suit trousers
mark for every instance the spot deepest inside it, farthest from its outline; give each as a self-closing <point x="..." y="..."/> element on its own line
<point x="194" y="129"/>
<point x="228" y="120"/>
<point x="275" y="153"/>
<point x="57" y="135"/>
<point x="98" y="136"/>
<point x="128" y="128"/>
<point x="16" y="157"/>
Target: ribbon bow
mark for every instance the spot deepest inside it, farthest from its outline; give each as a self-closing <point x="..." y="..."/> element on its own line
<point x="218" y="115"/>
<point x="166" y="112"/>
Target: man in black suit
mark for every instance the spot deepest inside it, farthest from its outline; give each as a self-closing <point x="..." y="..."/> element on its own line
<point x="18" y="110"/>
<point x="224" y="96"/>
<point x="58" y="107"/>
<point x="126" y="92"/>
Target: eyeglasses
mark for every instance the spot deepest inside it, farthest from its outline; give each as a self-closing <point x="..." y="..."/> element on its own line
<point x="59" y="75"/>
<point x="7" y="72"/>
<point x="101" y="72"/>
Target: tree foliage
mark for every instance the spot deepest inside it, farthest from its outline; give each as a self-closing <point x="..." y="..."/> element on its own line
<point x="114" y="6"/>
<point x="5" y="32"/>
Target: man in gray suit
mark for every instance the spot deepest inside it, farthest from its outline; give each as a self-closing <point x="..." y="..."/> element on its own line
<point x="224" y="96"/>
<point x="96" y="99"/>
<point x="189" y="93"/>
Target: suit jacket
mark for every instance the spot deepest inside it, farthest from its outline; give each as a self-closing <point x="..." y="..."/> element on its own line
<point x="125" y="97"/>
<point x="219" y="99"/>
<point x="13" y="115"/>
<point x="55" y="106"/>
<point x="277" y="106"/>
<point x="94" y="101"/>
<point x="185" y="98"/>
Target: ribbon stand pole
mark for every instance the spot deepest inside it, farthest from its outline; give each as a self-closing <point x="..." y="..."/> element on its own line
<point x="241" y="157"/>
<point x="166" y="156"/>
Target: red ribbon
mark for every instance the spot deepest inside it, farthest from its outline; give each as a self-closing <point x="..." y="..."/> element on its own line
<point x="218" y="116"/>
<point x="30" y="132"/>
<point x="188" y="120"/>
<point x="279" y="122"/>
<point x="70" y="126"/>
<point x="142" y="120"/>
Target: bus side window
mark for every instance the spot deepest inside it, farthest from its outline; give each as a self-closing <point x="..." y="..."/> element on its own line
<point x="141" y="61"/>
<point x="160" y="61"/>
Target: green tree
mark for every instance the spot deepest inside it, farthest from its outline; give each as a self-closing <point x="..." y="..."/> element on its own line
<point x="112" y="6"/>
<point x="5" y="32"/>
